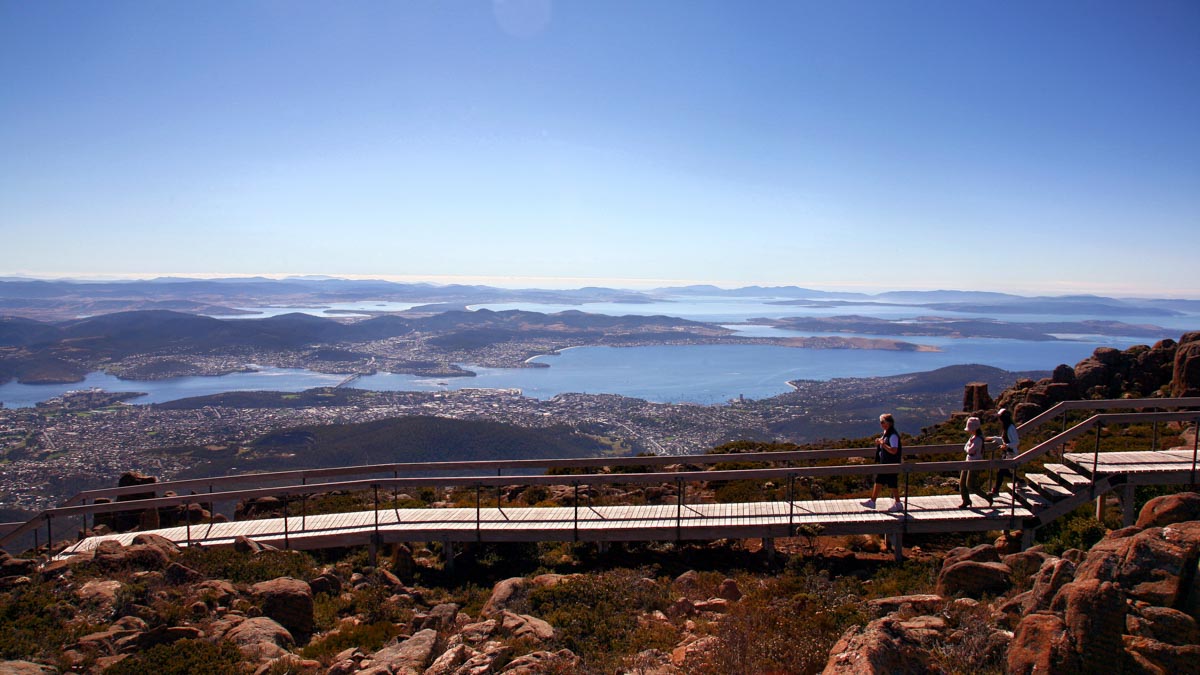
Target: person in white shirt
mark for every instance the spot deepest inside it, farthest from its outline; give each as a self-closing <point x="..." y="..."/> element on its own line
<point x="1009" y="445"/>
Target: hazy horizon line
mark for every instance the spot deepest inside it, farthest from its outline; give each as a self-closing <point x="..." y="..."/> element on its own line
<point x="616" y="283"/>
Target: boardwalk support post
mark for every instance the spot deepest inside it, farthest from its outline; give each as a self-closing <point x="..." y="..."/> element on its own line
<point x="373" y="547"/>
<point x="768" y="544"/>
<point x="448" y="555"/>
<point x="1195" y="450"/>
<point x="575" y="531"/>
<point x="679" y="510"/>
<point x="1128" y="516"/>
<point x="791" y="494"/>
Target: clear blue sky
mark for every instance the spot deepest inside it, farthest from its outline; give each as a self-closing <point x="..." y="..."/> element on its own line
<point x="1016" y="146"/>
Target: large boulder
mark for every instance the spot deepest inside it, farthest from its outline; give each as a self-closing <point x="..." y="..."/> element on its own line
<point x="1170" y="509"/>
<point x="261" y="638"/>
<point x="1155" y="565"/>
<point x="1094" y="613"/>
<point x="407" y="657"/>
<point x="882" y="646"/>
<point x="507" y="594"/>
<point x="1152" y="368"/>
<point x="1052" y="576"/>
<point x="911" y="604"/>
<point x="1185" y="374"/>
<point x="974" y="579"/>
<point x="1041" y="645"/>
<point x="290" y="602"/>
<point x="980" y="553"/>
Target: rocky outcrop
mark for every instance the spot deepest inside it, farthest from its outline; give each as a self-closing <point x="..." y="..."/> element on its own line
<point x="1041" y="645"/>
<point x="882" y="646"/>
<point x="410" y="656"/>
<point x="1185" y="372"/>
<point x="1156" y="565"/>
<point x="975" y="397"/>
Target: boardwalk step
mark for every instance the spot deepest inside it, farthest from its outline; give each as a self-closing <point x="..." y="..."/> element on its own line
<point x="1078" y="467"/>
<point x="1066" y="476"/>
<point x="1047" y="486"/>
<point x="1032" y="499"/>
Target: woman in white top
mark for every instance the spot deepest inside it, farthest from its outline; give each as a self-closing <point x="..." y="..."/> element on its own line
<point x="1009" y="445"/>
<point x="967" y="478"/>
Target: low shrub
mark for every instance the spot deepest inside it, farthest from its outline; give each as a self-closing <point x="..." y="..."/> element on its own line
<point x="185" y="657"/>
<point x="246" y="568"/>
<point x="367" y="637"/>
<point x="597" y="616"/>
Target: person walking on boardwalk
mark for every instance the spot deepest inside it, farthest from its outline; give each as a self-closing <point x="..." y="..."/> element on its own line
<point x="1009" y="444"/>
<point x="968" y="479"/>
<point x="887" y="451"/>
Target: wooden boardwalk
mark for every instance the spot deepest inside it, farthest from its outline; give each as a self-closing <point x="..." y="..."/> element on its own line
<point x="939" y="513"/>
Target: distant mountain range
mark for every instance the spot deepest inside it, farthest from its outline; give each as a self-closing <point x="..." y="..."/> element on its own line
<point x="62" y="299"/>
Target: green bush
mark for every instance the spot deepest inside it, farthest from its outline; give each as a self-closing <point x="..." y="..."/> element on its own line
<point x="597" y="616"/>
<point x="185" y="657"/>
<point x="1078" y="529"/>
<point x="246" y="568"/>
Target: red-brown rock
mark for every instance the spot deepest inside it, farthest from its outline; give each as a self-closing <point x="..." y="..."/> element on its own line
<point x="1041" y="645"/>
<point x="1185" y="375"/>
<point x="288" y="601"/>
<point x="882" y="646"/>
<point x="974" y="579"/>
<point x="1094" y="613"/>
<point x="1170" y="509"/>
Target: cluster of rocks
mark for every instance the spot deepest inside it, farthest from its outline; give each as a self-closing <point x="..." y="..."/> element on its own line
<point x="1166" y="368"/>
<point x="1130" y="604"/>
<point x="269" y="621"/>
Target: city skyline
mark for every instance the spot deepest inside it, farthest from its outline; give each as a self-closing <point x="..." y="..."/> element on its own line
<point x="868" y="146"/>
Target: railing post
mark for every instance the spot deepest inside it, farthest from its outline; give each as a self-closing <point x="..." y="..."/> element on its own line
<point x="478" y="513"/>
<point x="304" y="511"/>
<point x="576" y="518"/>
<point x="187" y="522"/>
<point x="791" y="493"/>
<point x="1195" y="451"/>
<point x="375" y="489"/>
<point x="1095" y="460"/>
<point x="679" y="509"/>
<point x="49" y="535"/>
<point x="1154" y="444"/>
<point x="287" y="542"/>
